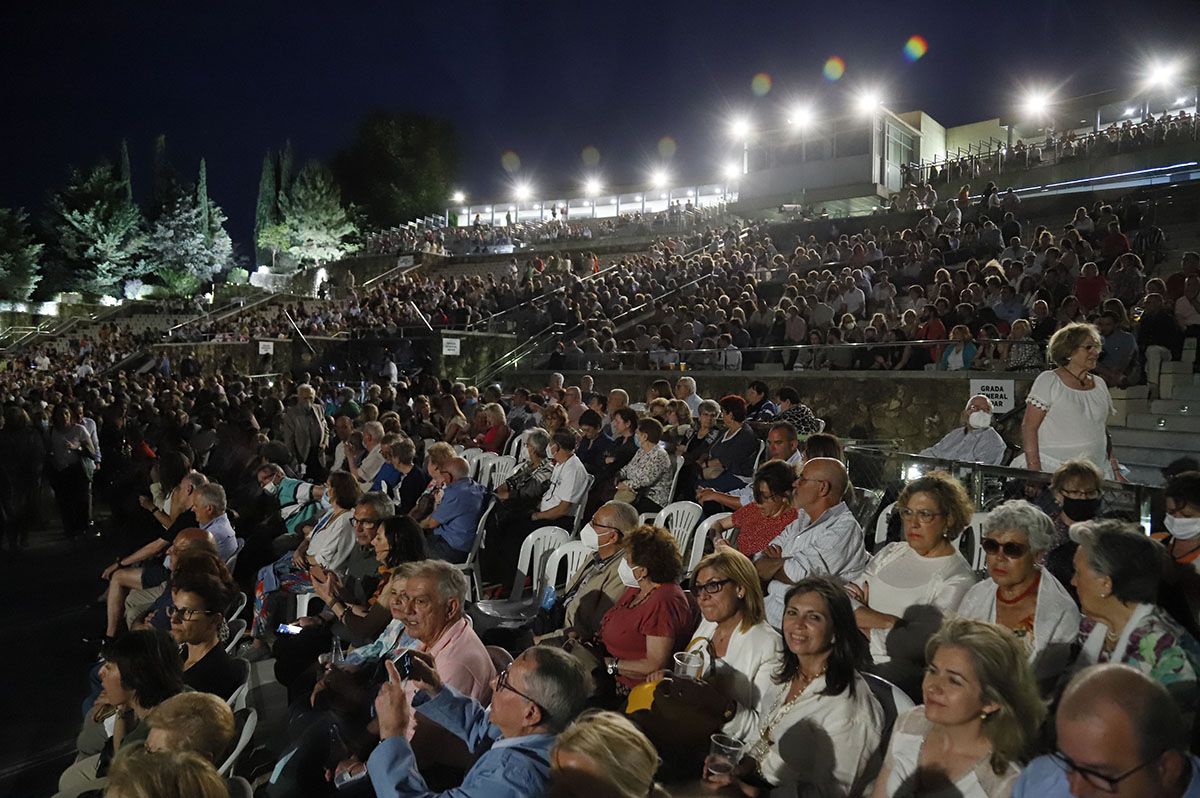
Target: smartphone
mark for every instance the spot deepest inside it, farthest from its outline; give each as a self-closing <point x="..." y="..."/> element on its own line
<point x="347" y="777"/>
<point x="289" y="629"/>
<point x="403" y="662"/>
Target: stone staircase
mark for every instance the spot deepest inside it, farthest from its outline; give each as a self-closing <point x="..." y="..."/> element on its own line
<point x="1158" y="422"/>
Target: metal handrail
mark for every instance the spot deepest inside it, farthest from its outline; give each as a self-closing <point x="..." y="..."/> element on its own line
<point x="543" y="296"/>
<point x="513" y="356"/>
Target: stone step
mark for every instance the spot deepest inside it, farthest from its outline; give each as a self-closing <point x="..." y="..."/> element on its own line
<point x="1178" y="366"/>
<point x="1171" y="406"/>
<point x="1181" y="392"/>
<point x="1176" y="443"/>
<point x="1132" y="392"/>
<point x="1163" y="421"/>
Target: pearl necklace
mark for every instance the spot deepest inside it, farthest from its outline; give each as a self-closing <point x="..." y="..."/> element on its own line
<point x="776" y="716"/>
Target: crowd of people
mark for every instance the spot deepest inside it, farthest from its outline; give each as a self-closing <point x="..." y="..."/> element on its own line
<point x="783" y="653"/>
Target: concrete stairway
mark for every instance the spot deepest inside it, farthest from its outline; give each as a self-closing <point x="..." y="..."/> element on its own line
<point x="1158" y="422"/>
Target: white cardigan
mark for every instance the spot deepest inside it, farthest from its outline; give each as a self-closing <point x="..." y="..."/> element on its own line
<point x="1055" y="622"/>
<point x="332" y="540"/>
<point x="752" y="657"/>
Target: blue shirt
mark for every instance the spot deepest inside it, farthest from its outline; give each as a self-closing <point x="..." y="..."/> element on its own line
<point x="457" y="514"/>
<point x="1045" y="778"/>
<point x="387" y="478"/>
<point x="222" y="532"/>
<point x="512" y="767"/>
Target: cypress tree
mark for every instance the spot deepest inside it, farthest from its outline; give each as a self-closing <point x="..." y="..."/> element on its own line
<point x="202" y="202"/>
<point x="126" y="172"/>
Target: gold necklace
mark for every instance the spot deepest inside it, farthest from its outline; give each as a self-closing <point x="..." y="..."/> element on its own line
<point x="782" y="706"/>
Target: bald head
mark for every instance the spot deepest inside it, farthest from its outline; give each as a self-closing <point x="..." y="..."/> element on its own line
<point x="828" y="470"/>
<point x="458" y="468"/>
<point x="1119" y="700"/>
<point x="187" y="537"/>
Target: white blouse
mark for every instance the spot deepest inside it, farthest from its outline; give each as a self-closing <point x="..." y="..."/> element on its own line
<point x="332" y="540"/>
<point x="903" y="756"/>
<point x="817" y="745"/>
<point x="1055" y="622"/>
<point x="1074" y="425"/>
<point x="751" y="659"/>
<point x="898" y="578"/>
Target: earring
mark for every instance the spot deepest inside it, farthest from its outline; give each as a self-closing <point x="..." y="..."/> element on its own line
<point x="741" y="594"/>
<point x="223" y="631"/>
<point x="984" y="716"/>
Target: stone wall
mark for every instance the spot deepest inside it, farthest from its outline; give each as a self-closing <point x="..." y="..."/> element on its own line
<point x="916" y="408"/>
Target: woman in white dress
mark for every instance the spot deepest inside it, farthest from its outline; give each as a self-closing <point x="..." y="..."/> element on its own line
<point x="980" y="715"/>
<point x="1067" y="407"/>
<point x="818" y="727"/>
<point x="739" y="648"/>
<point x="910" y="587"/>
<point x="1021" y="595"/>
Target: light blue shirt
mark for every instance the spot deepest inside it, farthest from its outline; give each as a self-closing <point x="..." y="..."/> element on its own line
<point x="512" y="767"/>
<point x="222" y="532"/>
<point x="392" y="637"/>
<point x="1045" y="778"/>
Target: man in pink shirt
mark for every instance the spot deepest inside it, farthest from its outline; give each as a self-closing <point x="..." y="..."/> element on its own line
<point x="435" y="596"/>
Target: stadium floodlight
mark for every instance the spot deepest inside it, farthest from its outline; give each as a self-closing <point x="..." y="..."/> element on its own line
<point x="1162" y="74"/>
<point x="732" y="171"/>
<point x="522" y="191"/>
<point x="592" y="186"/>
<point x="1182" y="100"/>
<point x="867" y="101"/>
<point x="1131" y="112"/>
<point x="659" y="178"/>
<point x="801" y="117"/>
<point x="1036" y="102"/>
<point x="739" y="128"/>
<point x="458" y="197"/>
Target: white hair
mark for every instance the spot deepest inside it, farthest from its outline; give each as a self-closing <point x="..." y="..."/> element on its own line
<point x="1021" y="516"/>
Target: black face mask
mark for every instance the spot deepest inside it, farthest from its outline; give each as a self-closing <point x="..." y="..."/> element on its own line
<point x="1081" y="509"/>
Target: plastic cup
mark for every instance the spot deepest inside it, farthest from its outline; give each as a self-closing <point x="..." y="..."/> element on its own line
<point x="689" y="664"/>
<point x="724" y="753"/>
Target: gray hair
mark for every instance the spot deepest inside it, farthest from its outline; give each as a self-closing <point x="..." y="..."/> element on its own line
<point x="559" y="684"/>
<point x="374" y="429"/>
<point x="379" y="503"/>
<point x="708" y="406"/>
<point x="451" y="584"/>
<point x="211" y="495"/>
<point x="538" y="439"/>
<point x="1123" y="553"/>
<point x="1024" y="517"/>
<point x="198" y="480"/>
<point x="625" y="516"/>
<point x="690" y="382"/>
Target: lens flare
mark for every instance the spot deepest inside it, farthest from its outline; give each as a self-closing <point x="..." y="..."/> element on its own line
<point x="915" y="47"/>
<point x="666" y="147"/>
<point x="510" y="161"/>
<point x="590" y="155"/>
<point x="760" y="84"/>
<point x="835" y="67"/>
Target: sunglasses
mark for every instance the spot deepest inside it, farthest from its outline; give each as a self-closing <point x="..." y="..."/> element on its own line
<point x="1011" y="550"/>
<point x="187" y="613"/>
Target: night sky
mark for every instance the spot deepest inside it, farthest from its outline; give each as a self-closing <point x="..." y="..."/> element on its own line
<point x="545" y="80"/>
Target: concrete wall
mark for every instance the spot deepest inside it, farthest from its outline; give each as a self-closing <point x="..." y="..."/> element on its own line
<point x="970" y="135"/>
<point x="933" y="135"/>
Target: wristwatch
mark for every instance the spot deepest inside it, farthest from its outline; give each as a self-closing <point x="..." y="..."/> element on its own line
<point x="612" y="667"/>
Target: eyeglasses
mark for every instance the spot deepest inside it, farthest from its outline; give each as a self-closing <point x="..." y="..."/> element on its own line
<point x="1101" y="782"/>
<point x="1011" y="550"/>
<point x="810" y="479"/>
<point x="502" y="683"/>
<point x="366" y="522"/>
<point x="924" y="516"/>
<point x="187" y="613"/>
<point x="1080" y="494"/>
<point x="713" y="586"/>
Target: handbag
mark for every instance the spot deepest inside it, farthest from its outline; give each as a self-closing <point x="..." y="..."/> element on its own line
<point x="682" y="716"/>
<point x="625" y="495"/>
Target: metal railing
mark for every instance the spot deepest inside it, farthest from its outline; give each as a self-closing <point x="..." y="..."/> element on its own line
<point x="514" y="356"/>
<point x="887" y="468"/>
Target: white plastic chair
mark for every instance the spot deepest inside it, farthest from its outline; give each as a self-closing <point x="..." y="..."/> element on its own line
<point x="680" y="518"/>
<point x="302" y="602"/>
<point x="472" y="457"/>
<point x="231" y="563"/>
<point x="502" y="468"/>
<point x="483" y="467"/>
<point x="237" y="628"/>
<point x="581" y="505"/>
<point x="974" y="539"/>
<point x="535" y="553"/>
<point x="675" y="478"/>
<point x="237" y="700"/>
<point x="470" y="567"/>
<point x="239" y="605"/>
<point x="459" y="448"/>
<point x="248" y="722"/>
<point x="574" y="552"/>
<point x="762" y="447"/>
<point x="702" y="533"/>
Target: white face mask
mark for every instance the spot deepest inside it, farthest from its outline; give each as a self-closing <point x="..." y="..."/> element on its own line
<point x="589" y="538"/>
<point x="980" y="419"/>
<point x="625" y="570"/>
<point x="270" y="489"/>
<point x="1182" y="528"/>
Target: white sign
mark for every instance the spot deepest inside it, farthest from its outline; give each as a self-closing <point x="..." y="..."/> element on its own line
<point x="266" y="347"/>
<point x="451" y="346"/>
<point x="1001" y="393"/>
